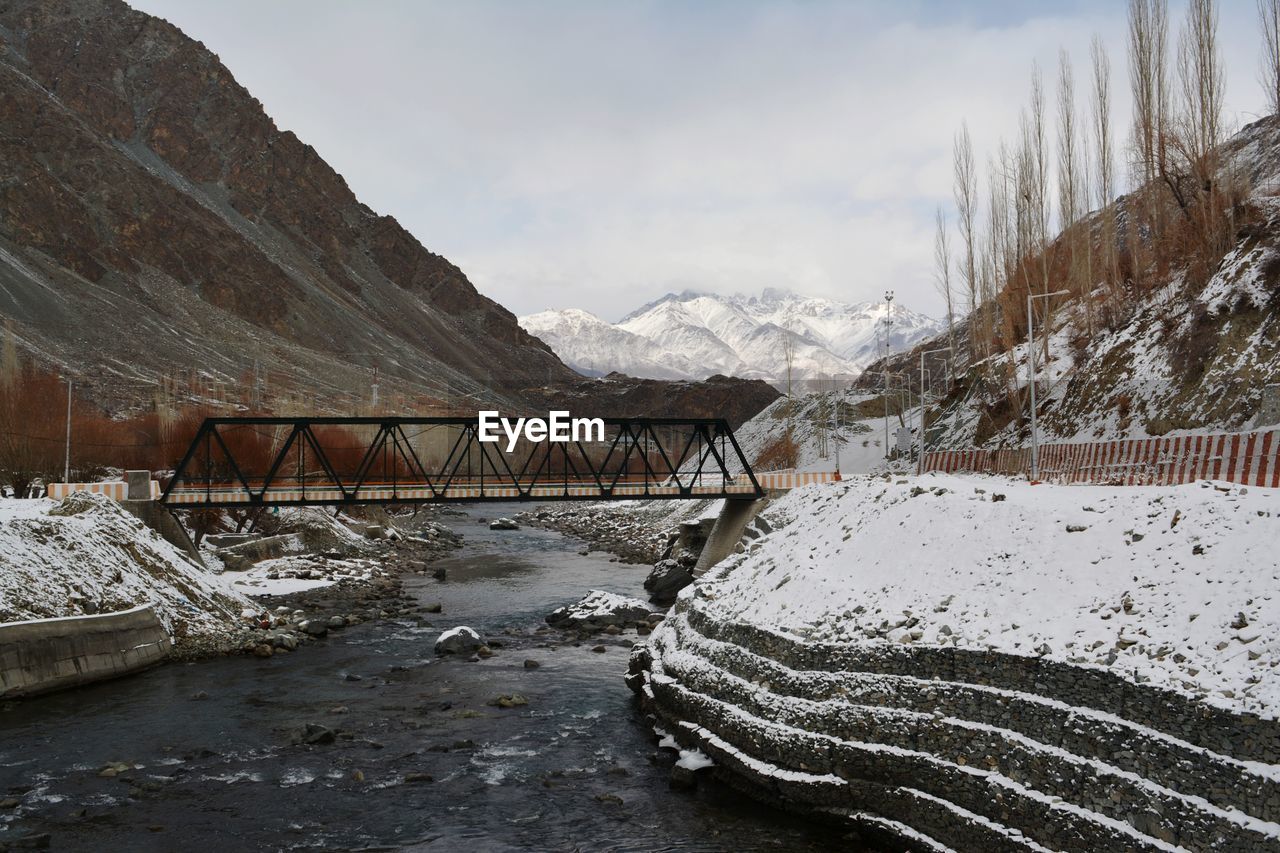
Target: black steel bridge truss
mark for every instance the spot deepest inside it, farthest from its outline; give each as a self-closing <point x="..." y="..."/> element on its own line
<point x="322" y="461"/>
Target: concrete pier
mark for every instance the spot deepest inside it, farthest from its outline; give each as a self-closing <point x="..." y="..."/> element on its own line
<point x="728" y="530"/>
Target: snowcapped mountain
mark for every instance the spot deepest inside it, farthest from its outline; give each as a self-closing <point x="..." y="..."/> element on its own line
<point x="594" y="347"/>
<point x="694" y="335"/>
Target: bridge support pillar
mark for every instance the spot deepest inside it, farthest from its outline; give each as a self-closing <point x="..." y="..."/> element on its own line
<point x="728" y="530"/>
<point x="158" y="518"/>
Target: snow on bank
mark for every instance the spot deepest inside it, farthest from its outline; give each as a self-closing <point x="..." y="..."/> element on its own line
<point x="86" y="554"/>
<point x="1172" y="586"/>
<point x="286" y="575"/>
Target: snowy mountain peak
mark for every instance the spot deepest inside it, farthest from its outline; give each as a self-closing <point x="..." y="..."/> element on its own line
<point x="694" y="334"/>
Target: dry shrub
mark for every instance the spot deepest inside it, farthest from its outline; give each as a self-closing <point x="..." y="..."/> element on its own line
<point x="780" y="453"/>
<point x="1124" y="406"/>
<point x="1190" y="351"/>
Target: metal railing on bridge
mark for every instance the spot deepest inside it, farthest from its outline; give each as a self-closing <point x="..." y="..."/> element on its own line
<point x="339" y="461"/>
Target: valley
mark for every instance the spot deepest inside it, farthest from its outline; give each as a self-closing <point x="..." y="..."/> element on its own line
<point x="755" y="426"/>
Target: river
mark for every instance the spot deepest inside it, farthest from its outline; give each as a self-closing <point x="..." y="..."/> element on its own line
<point x="214" y="764"/>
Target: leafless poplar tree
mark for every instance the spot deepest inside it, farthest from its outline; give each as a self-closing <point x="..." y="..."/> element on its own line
<point x="1104" y="164"/>
<point x="942" y="271"/>
<point x="1069" y="182"/>
<point x="1200" y="75"/>
<point x="1269" y="18"/>
<point x="1149" y="80"/>
<point x="1035" y="189"/>
<point x="965" y="190"/>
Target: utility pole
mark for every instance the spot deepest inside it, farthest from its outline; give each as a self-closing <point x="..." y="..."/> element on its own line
<point x="888" y="327"/>
<point x="66" y="469"/>
<point x="1031" y="377"/>
<point x="920" y="457"/>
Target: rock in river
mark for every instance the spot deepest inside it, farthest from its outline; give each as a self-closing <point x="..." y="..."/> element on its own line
<point x="503" y="524"/>
<point x="459" y="640"/>
<point x="599" y="609"/>
<point x="667" y="578"/>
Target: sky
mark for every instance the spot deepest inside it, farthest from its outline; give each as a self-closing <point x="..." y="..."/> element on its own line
<point x="596" y="155"/>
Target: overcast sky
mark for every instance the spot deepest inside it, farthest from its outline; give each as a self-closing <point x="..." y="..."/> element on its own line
<point x="597" y="155"/>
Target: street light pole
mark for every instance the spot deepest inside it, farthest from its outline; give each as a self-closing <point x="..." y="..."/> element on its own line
<point x="920" y="456"/>
<point x="888" y="327"/>
<point x="1031" y="377"/>
<point x="66" y="470"/>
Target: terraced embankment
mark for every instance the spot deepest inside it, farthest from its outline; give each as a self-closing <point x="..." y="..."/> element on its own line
<point x="970" y="750"/>
<point x="949" y="741"/>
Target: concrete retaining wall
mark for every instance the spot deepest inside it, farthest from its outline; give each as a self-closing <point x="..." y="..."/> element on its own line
<point x="50" y="654"/>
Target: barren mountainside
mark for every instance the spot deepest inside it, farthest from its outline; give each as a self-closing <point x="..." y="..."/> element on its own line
<point x="153" y="216"/>
<point x="154" y="221"/>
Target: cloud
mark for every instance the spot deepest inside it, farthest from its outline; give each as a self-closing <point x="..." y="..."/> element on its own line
<point x="597" y="155"/>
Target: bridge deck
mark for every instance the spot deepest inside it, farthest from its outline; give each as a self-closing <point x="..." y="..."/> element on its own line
<point x="408" y="493"/>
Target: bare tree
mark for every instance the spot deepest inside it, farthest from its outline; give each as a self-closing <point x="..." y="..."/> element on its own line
<point x="1104" y="164"/>
<point x="1034" y="194"/>
<point x="1068" y="162"/>
<point x="1269" y="18"/>
<point x="1200" y="75"/>
<point x="1148" y="78"/>
<point x="965" y="190"/>
<point x="1001" y="252"/>
<point x="1069" y="183"/>
<point x="942" y="271"/>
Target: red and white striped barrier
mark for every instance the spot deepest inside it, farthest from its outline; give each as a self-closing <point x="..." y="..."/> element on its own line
<point x="792" y="479"/>
<point x="116" y="489"/>
<point x="1250" y="459"/>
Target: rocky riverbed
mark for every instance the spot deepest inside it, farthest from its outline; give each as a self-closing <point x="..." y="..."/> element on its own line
<point x="632" y="531"/>
<point x="337" y="590"/>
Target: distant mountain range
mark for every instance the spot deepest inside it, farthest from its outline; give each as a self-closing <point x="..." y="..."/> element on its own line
<point x="693" y="335"/>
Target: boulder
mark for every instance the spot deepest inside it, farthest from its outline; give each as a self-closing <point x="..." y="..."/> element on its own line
<point x="314" y="627"/>
<point x="599" y="609"/>
<point x="239" y="558"/>
<point x="313" y="733"/>
<point x="667" y="579"/>
<point x="459" y="640"/>
<point x="503" y="524"/>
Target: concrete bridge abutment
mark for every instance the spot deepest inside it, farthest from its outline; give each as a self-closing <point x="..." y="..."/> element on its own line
<point x="727" y="532"/>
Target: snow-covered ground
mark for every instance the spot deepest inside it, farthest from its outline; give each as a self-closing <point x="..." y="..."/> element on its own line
<point x="849" y="444"/>
<point x="86" y="555"/>
<point x="1173" y="586"/>
<point x="285" y="575"/>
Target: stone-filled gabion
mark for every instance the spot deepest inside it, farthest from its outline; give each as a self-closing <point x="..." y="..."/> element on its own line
<point x="977" y="750"/>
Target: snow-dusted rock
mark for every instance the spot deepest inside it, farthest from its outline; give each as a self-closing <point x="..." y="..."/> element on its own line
<point x="598" y="609"/>
<point x="503" y="524"/>
<point x="459" y="640"/>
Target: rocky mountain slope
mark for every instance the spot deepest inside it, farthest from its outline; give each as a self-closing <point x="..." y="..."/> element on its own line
<point x="158" y="230"/>
<point x="692" y="335"/>
<point x="154" y="216"/>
